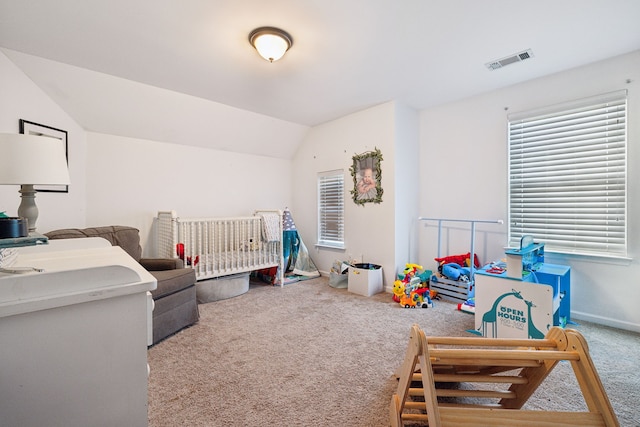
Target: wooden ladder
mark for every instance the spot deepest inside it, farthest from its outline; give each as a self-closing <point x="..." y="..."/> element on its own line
<point x="462" y="381"/>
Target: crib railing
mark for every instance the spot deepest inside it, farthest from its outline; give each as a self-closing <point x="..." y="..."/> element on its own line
<point x="216" y="247"/>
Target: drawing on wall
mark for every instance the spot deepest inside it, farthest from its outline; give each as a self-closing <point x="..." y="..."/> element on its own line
<point x="367" y="177"/>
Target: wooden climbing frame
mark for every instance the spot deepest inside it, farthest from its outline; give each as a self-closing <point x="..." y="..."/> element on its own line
<point x="473" y="381"/>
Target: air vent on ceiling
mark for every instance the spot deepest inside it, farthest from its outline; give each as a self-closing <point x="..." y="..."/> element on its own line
<point x="512" y="59"/>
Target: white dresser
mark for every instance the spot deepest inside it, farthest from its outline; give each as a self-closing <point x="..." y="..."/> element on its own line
<point x="73" y="337"/>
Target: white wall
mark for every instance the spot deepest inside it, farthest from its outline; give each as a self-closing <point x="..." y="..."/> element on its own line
<point x="369" y="228"/>
<point x="21" y="99"/>
<point x="407" y="179"/>
<point x="130" y="180"/>
<point x="463" y="175"/>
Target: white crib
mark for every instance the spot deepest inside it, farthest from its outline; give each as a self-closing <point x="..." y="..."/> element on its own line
<point x="216" y="247"/>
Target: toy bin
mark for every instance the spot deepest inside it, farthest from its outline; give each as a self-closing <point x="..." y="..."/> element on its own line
<point x="365" y="279"/>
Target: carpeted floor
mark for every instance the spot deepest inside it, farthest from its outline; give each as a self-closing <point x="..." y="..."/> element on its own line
<point x="311" y="355"/>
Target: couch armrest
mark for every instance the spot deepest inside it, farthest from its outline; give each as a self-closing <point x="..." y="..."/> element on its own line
<point x="159" y="264"/>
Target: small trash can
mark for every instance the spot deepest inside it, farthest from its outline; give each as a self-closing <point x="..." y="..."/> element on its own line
<point x="365" y="279"/>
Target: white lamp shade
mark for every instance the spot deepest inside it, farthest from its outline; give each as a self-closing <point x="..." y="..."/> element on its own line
<point x="270" y="42"/>
<point x="270" y="46"/>
<point x="32" y="160"/>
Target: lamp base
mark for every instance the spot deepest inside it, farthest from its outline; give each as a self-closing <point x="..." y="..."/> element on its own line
<point x="28" y="208"/>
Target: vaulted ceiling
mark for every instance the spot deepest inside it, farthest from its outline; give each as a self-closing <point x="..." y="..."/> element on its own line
<point x="184" y="71"/>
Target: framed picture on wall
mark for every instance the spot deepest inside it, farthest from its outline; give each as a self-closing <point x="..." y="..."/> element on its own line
<point x="31" y="128"/>
<point x="367" y="177"/>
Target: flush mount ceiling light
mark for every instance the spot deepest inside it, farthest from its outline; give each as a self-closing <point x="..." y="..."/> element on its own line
<point x="271" y="43"/>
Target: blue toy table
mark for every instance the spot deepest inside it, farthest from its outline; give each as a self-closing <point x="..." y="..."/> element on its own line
<point x="526" y="307"/>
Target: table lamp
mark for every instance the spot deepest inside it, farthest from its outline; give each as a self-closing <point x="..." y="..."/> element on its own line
<point x="29" y="160"/>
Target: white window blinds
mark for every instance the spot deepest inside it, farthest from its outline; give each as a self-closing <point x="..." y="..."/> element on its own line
<point x="567" y="176"/>
<point x="331" y="209"/>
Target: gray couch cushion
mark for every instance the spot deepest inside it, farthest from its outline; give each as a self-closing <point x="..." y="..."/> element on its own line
<point x="128" y="238"/>
<point x="172" y="281"/>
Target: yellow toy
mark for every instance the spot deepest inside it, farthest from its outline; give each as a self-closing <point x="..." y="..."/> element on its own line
<point x="398" y="289"/>
<point x="411" y="269"/>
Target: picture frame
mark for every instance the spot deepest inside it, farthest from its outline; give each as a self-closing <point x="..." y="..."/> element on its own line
<point x="32" y="128"/>
<point x="367" y="177"/>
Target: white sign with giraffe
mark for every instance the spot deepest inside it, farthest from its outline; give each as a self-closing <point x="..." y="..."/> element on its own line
<point x="507" y="308"/>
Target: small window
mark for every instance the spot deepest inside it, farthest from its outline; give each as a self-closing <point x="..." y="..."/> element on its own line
<point x="568" y="175"/>
<point x="331" y="209"/>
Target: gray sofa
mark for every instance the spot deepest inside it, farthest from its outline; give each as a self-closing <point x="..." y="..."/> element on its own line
<point x="175" y="303"/>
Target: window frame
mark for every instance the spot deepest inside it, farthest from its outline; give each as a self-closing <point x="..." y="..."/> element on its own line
<point x="560" y="190"/>
<point x="330" y="226"/>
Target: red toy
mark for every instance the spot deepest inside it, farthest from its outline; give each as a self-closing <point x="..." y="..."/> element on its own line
<point x="460" y="260"/>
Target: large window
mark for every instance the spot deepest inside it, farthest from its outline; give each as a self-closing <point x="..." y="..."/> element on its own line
<point x="567" y="176"/>
<point x="331" y="209"/>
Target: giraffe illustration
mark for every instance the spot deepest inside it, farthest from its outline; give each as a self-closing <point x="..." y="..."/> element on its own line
<point x="491" y="316"/>
<point x="532" y="330"/>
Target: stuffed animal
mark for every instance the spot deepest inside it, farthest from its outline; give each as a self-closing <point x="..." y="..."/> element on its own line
<point x="454" y="271"/>
<point x="460" y="259"/>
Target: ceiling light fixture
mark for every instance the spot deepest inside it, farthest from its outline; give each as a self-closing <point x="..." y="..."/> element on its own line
<point x="270" y="42"/>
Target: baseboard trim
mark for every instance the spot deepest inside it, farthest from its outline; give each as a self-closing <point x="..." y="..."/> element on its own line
<point x="605" y="321"/>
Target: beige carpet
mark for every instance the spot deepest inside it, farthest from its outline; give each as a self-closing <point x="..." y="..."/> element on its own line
<point x="312" y="355"/>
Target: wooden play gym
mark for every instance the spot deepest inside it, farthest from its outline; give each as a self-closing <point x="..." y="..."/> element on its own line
<point x="473" y="381"/>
